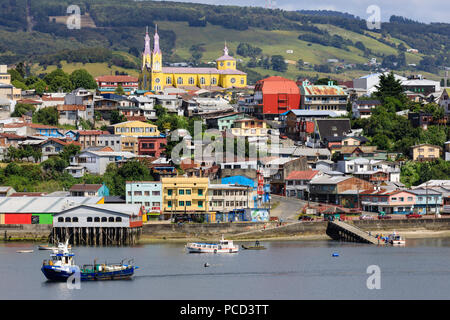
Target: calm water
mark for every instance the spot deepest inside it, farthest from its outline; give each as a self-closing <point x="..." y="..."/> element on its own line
<point x="286" y="270"/>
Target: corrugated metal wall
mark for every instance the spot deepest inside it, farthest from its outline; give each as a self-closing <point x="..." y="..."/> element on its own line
<point x="2" y="218"/>
<point x="17" y="218"/>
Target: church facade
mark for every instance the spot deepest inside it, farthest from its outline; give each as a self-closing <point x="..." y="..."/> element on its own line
<point x="155" y="77"/>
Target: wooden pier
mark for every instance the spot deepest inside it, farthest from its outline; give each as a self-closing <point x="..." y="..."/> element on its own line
<point x="96" y="236"/>
<point x="339" y="230"/>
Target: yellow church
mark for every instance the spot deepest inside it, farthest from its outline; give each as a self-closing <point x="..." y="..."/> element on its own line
<point x="155" y="77"/>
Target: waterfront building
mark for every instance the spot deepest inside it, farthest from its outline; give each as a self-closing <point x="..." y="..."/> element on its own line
<point x="427" y="201"/>
<point x="155" y="77"/>
<point x="185" y="195"/>
<point x="146" y="193"/>
<point x="224" y="198"/>
<point x="388" y="201"/>
<point x="38" y="210"/>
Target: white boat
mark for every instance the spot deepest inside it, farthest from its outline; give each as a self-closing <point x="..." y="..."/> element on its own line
<point x="224" y="246"/>
<point x="396" y="240"/>
<point x="24" y="251"/>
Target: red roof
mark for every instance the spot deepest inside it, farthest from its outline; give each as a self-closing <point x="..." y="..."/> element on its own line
<point x="71" y="107"/>
<point x="277" y="84"/>
<point x="116" y="79"/>
<point x="92" y="132"/>
<point x="63" y="142"/>
<point x="302" y="175"/>
<point x="48" y="98"/>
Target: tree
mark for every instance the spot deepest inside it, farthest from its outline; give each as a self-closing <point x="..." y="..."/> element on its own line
<point x="119" y="90"/>
<point x="117" y="117"/>
<point x="82" y="79"/>
<point x="389" y="87"/>
<point x="58" y="80"/>
<point x="300" y="64"/>
<point x="21" y="109"/>
<point x="278" y="64"/>
<point x="39" y="86"/>
<point x="48" y="116"/>
<point x="69" y="150"/>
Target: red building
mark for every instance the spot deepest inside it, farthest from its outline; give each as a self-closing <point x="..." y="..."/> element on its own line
<point x="151" y="146"/>
<point x="275" y="95"/>
<point x="108" y="84"/>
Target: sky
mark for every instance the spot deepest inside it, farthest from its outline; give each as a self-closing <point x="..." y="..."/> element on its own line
<point x="419" y="10"/>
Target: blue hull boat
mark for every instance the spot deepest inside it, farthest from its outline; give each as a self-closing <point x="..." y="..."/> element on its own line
<point x="57" y="274"/>
<point x="62" y="266"/>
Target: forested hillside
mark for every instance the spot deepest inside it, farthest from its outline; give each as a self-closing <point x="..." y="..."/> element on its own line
<point x="196" y="33"/>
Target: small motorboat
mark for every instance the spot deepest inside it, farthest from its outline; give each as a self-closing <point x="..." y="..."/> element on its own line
<point x="62" y="266"/>
<point x="257" y="246"/>
<point x="47" y="247"/>
<point x="24" y="251"/>
<point x="396" y="240"/>
<point x="224" y="246"/>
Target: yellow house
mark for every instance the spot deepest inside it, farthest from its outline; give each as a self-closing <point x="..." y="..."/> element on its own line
<point x="249" y="128"/>
<point x="130" y="144"/>
<point x="184" y="195"/>
<point x="136" y="129"/>
<point x="425" y="152"/>
<point x="155" y="77"/>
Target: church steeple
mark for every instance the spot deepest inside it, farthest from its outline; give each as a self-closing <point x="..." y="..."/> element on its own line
<point x="146" y="56"/>
<point x="156" y="55"/>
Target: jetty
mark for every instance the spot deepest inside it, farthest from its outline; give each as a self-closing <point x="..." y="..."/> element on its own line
<point x="339" y="230"/>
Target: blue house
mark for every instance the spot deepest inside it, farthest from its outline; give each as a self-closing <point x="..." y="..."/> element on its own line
<point x="47" y="131"/>
<point x="245" y="181"/>
<point x="427" y="198"/>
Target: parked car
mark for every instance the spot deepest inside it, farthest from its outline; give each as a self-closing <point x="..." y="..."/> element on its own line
<point x="383" y="217"/>
<point x="413" y="215"/>
<point x="305" y="218"/>
<point x="366" y="217"/>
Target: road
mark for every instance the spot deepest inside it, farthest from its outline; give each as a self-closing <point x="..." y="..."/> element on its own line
<point x="287" y="209"/>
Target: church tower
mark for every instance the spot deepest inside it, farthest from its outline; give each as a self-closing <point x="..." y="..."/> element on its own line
<point x="157" y="75"/>
<point x="145" y="76"/>
<point x="226" y="62"/>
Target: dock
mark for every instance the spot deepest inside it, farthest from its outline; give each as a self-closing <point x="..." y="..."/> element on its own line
<point x="339" y="230"/>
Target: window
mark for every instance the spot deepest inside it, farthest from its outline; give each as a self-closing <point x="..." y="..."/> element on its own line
<point x="68" y="219"/>
<point x="103" y="219"/>
<point x="200" y="204"/>
<point x="111" y="219"/>
<point x="410" y="198"/>
<point x="181" y="203"/>
<point x="181" y="192"/>
<point x="169" y="192"/>
<point x="89" y="219"/>
<point x="169" y="80"/>
<point x="169" y="204"/>
<point x="180" y="80"/>
<point x="213" y="81"/>
<point x="188" y="191"/>
<point x="202" y="80"/>
<point x="75" y="219"/>
<point x="60" y="219"/>
<point x="146" y="193"/>
<point x="188" y="203"/>
<point x="96" y="219"/>
<point x="200" y="192"/>
<point x="191" y="80"/>
<point x="118" y="219"/>
<point x="156" y="193"/>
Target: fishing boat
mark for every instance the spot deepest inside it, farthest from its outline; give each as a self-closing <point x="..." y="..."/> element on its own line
<point x="257" y="246"/>
<point x="62" y="265"/>
<point x="396" y="240"/>
<point x="224" y="246"/>
<point x="47" y="247"/>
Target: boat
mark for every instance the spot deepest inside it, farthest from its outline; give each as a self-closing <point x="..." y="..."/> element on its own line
<point x="47" y="247"/>
<point x="257" y="246"/>
<point x="62" y="265"/>
<point x="24" y="251"/>
<point x="396" y="240"/>
<point x="224" y="246"/>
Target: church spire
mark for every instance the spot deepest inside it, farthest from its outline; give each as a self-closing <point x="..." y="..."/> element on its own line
<point x="147" y="50"/>
<point x="156" y="48"/>
<point x="225" y="50"/>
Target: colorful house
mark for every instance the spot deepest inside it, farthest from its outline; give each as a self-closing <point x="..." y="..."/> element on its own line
<point x="185" y="195"/>
<point x="388" y="201"/>
<point x="146" y="193"/>
<point x="136" y="129"/>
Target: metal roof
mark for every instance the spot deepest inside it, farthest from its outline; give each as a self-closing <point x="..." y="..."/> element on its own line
<point x="42" y="204"/>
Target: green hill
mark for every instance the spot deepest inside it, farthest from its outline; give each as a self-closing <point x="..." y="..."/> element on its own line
<point x="111" y="38"/>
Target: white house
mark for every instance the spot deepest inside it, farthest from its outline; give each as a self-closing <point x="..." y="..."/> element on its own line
<point x="95" y="162"/>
